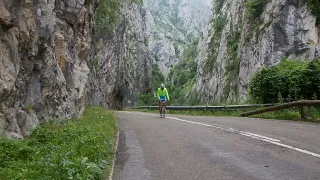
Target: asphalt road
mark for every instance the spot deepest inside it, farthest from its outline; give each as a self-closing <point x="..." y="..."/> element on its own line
<point x="192" y="147"/>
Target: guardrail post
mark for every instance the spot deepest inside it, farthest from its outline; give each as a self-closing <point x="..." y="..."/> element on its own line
<point x="304" y="112"/>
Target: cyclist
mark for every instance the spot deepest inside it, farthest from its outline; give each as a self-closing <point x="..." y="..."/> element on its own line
<point x="163" y="96"/>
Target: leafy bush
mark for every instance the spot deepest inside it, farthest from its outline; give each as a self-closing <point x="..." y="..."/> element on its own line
<point x="74" y="149"/>
<point x="147" y="100"/>
<point x="290" y="80"/>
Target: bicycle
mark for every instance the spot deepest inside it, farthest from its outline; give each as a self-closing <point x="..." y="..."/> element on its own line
<point x="163" y="109"/>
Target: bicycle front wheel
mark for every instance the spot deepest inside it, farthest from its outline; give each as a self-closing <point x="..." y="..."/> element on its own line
<point x="163" y="111"/>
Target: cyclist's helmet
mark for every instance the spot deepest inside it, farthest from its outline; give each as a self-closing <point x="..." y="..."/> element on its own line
<point x="162" y="85"/>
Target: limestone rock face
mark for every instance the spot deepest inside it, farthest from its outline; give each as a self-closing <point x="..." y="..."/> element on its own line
<point x="285" y="28"/>
<point x="122" y="65"/>
<point x="52" y="65"/>
<point x="43" y="71"/>
<point x="171" y="26"/>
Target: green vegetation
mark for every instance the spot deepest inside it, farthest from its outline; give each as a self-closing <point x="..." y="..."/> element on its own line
<point x="95" y="64"/>
<point x="147" y="99"/>
<point x="139" y="2"/>
<point x="291" y="114"/>
<point x="233" y="40"/>
<point x="29" y="107"/>
<point x="182" y="78"/>
<point x="314" y="6"/>
<point x="157" y="77"/>
<point x="73" y="149"/>
<point x="187" y="68"/>
<point x="180" y="81"/>
<point x="232" y="66"/>
<point x="288" y="81"/>
<point x="255" y="8"/>
<point x="108" y="15"/>
<point x="218" y="5"/>
<point x="218" y="25"/>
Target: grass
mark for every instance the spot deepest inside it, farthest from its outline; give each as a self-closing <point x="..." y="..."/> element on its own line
<point x="288" y="114"/>
<point x="63" y="149"/>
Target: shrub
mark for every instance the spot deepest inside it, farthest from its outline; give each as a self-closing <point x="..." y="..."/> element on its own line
<point x="290" y="80"/>
<point x="266" y="85"/>
<point x="147" y="100"/>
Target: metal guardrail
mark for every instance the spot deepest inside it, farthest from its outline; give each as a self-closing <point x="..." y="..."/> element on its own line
<point x="304" y="104"/>
<point x="231" y="107"/>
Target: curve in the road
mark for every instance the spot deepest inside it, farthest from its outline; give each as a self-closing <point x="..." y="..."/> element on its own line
<point x="248" y="134"/>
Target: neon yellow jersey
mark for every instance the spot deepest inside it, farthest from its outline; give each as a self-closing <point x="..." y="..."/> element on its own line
<point x="163" y="94"/>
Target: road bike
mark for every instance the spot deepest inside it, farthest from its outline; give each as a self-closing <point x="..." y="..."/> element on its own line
<point x="163" y="109"/>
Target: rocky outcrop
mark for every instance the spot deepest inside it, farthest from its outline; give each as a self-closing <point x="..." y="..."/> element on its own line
<point x="52" y="65"/>
<point x="173" y="25"/>
<point x="122" y="65"/>
<point x="236" y="45"/>
<point x="44" y="49"/>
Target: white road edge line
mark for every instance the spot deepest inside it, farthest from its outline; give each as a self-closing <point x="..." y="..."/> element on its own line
<point x="259" y="136"/>
<point x="286" y="146"/>
<point x="248" y="134"/>
<point x="114" y="156"/>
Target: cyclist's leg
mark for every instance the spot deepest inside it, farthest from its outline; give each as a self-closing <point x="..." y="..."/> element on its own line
<point x="164" y="108"/>
<point x="159" y="104"/>
<point x="165" y="104"/>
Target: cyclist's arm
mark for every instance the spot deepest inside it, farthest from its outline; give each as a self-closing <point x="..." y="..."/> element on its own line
<point x="158" y="94"/>
<point x="167" y="94"/>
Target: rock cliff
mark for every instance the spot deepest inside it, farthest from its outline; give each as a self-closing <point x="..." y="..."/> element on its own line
<point x="244" y="36"/>
<point x="122" y="65"/>
<point x="53" y="64"/>
<point x="173" y="25"/>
